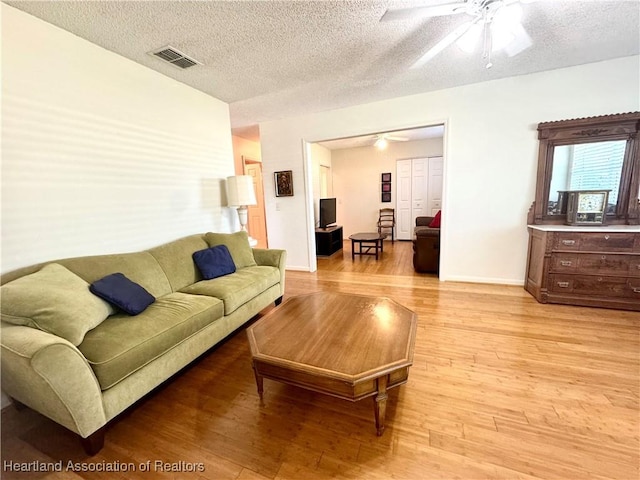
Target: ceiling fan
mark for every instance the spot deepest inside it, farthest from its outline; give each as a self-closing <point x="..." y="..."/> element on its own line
<point x="494" y="23"/>
<point x="383" y="139"/>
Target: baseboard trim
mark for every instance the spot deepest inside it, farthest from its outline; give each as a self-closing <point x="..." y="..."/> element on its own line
<point x="494" y="281"/>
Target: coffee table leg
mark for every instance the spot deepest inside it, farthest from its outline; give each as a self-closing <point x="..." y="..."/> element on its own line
<point x="259" y="383"/>
<point x="380" y="404"/>
<point x="353" y="250"/>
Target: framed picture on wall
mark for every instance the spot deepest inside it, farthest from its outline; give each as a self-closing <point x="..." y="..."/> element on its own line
<point x="284" y="183"/>
<point x="386" y="187"/>
<point x="386" y="197"/>
<point x="386" y="178"/>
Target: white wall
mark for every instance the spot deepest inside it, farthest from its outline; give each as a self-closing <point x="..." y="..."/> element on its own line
<point x="490" y="158"/>
<point x="320" y="157"/>
<point x="357" y="175"/>
<point x="100" y="154"/>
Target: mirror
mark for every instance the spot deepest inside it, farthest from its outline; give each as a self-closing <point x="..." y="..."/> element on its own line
<point x="586" y="166"/>
<point x="596" y="153"/>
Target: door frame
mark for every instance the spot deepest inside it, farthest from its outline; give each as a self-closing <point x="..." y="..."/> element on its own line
<point x="245" y="162"/>
<point x="308" y="182"/>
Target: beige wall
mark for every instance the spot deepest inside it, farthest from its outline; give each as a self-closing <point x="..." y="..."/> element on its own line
<point x="357" y="174"/>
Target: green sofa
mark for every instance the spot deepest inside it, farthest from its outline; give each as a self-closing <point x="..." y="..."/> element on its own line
<point x="83" y="386"/>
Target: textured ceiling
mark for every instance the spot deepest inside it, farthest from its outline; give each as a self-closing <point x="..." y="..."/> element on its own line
<point x="274" y="59"/>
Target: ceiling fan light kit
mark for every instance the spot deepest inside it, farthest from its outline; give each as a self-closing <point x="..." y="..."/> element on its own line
<point x="381" y="143"/>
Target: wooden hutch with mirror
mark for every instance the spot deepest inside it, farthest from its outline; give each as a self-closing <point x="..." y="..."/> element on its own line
<point x="584" y="224"/>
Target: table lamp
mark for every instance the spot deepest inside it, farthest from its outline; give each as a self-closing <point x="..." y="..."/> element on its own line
<point x="240" y="194"/>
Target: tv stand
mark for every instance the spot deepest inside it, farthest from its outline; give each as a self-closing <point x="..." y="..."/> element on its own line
<point x="328" y="240"/>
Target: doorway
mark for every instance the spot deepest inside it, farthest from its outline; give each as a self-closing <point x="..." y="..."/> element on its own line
<point x="256" y="224"/>
<point x="356" y="168"/>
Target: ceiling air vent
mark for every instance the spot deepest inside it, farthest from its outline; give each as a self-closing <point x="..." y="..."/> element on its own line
<point x="174" y="57"/>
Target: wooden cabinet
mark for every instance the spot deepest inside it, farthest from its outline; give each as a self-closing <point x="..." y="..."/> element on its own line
<point x="328" y="241"/>
<point x="592" y="266"/>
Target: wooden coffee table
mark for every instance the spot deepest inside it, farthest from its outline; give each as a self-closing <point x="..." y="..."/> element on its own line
<point x="347" y="346"/>
<point x="367" y="241"/>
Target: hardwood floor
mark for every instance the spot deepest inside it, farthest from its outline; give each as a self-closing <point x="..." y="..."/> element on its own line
<point x="501" y="387"/>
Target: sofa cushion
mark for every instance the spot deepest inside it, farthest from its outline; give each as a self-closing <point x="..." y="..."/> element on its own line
<point x="54" y="300"/>
<point x="121" y="292"/>
<point x="121" y="344"/>
<point x="139" y="267"/>
<point x="238" y="288"/>
<point x="238" y="245"/>
<point x="214" y="262"/>
<point x="176" y="260"/>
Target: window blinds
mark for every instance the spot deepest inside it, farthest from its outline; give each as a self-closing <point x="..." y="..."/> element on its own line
<point x="598" y="166"/>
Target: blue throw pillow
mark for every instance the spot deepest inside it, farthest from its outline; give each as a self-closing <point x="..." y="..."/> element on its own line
<point x="118" y="290"/>
<point x="214" y="262"/>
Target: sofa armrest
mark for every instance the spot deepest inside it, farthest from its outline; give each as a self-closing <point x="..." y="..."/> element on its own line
<point x="50" y="375"/>
<point x="273" y="258"/>
<point x="423" y="221"/>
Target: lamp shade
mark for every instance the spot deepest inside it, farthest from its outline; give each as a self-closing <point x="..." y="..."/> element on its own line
<point x="240" y="191"/>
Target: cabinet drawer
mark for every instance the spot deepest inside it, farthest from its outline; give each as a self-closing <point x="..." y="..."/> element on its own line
<point x="567" y="241"/>
<point x="596" y="241"/>
<point x="612" y="264"/>
<point x="594" y="285"/>
<point x="564" y="263"/>
<point x="603" y="264"/>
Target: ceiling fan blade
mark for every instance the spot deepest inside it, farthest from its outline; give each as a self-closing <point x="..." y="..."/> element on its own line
<point x="394" y="14"/>
<point x="444" y="43"/>
<point x="521" y="42"/>
<point x="396" y="139"/>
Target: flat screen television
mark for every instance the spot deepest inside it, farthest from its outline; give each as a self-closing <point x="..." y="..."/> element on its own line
<point x="327" y="212"/>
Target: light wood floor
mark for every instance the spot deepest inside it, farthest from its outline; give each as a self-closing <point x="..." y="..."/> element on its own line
<point x="501" y="387"/>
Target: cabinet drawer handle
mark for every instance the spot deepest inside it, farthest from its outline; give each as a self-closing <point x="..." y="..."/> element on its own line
<point x="606" y="237"/>
<point x="636" y="289"/>
<point x="568" y="242"/>
<point x="563" y="284"/>
<point x="566" y="263"/>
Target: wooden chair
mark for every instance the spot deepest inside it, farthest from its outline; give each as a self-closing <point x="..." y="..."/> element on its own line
<point x="387" y="220"/>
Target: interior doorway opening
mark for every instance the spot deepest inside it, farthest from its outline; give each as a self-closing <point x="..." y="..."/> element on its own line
<point x="257" y="223"/>
<point x="355" y="168"/>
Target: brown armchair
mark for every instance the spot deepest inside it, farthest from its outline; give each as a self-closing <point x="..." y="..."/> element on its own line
<point x="426" y="246"/>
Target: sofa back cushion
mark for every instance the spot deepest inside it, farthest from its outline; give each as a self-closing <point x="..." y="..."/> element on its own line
<point x="54" y="300"/>
<point x="176" y="260"/>
<point x="140" y="267"/>
<point x="238" y="245"/>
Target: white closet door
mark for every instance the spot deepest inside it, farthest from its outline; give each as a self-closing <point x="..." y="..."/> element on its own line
<point x="419" y="194"/>
<point x="411" y="196"/>
<point x="434" y="198"/>
<point x="404" y="226"/>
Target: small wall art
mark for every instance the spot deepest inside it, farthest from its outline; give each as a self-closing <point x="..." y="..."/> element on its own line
<point x="385" y="187"/>
<point x="284" y="183"/>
